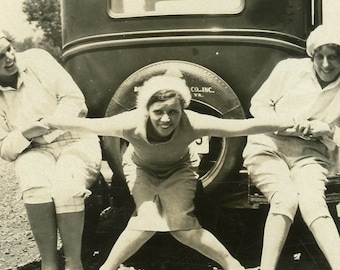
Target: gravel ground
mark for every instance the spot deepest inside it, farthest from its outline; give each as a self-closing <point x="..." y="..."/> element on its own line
<point x="18" y="249"/>
<point x="17" y="245"/>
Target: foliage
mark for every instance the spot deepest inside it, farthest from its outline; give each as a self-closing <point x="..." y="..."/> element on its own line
<point x="46" y="15"/>
<point x="29" y="43"/>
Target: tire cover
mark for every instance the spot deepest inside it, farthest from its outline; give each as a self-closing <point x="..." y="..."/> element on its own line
<point x="208" y="90"/>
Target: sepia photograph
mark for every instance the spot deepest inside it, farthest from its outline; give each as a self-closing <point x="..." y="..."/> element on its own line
<point x="169" y="135"/>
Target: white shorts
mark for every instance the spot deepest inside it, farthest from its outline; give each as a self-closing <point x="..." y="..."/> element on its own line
<point x="288" y="168"/>
<point x="59" y="172"/>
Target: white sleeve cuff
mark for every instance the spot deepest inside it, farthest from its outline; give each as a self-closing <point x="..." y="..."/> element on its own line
<point x="20" y="143"/>
<point x="336" y="136"/>
<point x="14" y="144"/>
<point x="50" y="137"/>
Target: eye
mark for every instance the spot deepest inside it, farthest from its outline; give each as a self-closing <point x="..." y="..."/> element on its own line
<point x="157" y="112"/>
<point x="318" y="57"/>
<point x="9" y="49"/>
<point x="173" y="112"/>
<point x="332" y="57"/>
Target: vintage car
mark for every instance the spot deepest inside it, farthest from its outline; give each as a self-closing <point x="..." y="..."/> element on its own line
<point x="225" y="49"/>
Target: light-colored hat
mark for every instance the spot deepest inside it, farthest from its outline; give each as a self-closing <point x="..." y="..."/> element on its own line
<point x="171" y="80"/>
<point x="6" y="35"/>
<point x="322" y="35"/>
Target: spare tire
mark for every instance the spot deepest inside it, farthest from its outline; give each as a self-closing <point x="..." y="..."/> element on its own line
<point x="210" y="95"/>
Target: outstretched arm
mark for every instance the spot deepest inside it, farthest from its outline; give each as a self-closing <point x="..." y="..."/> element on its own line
<point x="218" y="127"/>
<point x="234" y="128"/>
<point x="108" y="126"/>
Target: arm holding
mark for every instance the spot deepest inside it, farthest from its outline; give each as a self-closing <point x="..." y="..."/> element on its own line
<point x="214" y="126"/>
<point x="13" y="143"/>
<point x="107" y="126"/>
<point x="308" y="129"/>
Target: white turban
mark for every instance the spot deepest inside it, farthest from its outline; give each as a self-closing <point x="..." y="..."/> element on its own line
<point x="322" y="35"/>
<point x="2" y="34"/>
<point x="169" y="81"/>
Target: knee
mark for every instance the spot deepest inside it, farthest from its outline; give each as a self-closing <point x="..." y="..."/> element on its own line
<point x="37" y="195"/>
<point x="177" y="234"/>
<point x="70" y="199"/>
<point x="284" y="203"/>
<point x="69" y="203"/>
<point x="313" y="206"/>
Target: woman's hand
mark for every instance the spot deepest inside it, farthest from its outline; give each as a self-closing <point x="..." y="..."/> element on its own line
<point x="310" y="129"/>
<point x="318" y="128"/>
<point x="299" y="129"/>
<point x="54" y="122"/>
<point x="35" y="129"/>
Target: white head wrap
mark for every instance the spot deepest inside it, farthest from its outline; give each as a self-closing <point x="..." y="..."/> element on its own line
<point x="171" y="80"/>
<point x="322" y="35"/>
<point x="2" y="34"/>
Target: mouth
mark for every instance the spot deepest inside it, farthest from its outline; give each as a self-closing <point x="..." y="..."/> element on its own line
<point x="10" y="65"/>
<point x="165" y="126"/>
<point x="326" y="71"/>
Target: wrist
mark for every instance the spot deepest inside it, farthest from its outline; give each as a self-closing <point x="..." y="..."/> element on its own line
<point x="331" y="130"/>
<point x="26" y="136"/>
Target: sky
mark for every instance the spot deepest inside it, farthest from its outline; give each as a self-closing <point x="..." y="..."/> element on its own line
<point x="14" y="21"/>
<point x="331" y="12"/>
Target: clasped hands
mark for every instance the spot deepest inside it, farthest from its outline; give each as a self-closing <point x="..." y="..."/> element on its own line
<point x="34" y="131"/>
<point x="309" y="130"/>
<point x="43" y="126"/>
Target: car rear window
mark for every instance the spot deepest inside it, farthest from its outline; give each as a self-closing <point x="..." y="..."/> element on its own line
<point x="141" y="8"/>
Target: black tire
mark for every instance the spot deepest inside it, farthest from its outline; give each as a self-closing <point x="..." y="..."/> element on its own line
<point x="210" y="95"/>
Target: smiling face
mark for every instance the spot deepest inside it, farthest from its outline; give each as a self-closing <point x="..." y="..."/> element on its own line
<point x="165" y="116"/>
<point x="326" y="62"/>
<point x="8" y="66"/>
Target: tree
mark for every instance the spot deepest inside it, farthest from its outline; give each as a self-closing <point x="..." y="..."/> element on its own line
<point x="46" y="15"/>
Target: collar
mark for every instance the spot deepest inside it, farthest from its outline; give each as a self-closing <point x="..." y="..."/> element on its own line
<point x="22" y="67"/>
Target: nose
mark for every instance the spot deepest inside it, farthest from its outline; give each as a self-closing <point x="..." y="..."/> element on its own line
<point x="165" y="117"/>
<point x="325" y="62"/>
<point x="9" y="55"/>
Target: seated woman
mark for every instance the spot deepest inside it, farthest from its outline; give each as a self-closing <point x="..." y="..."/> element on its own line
<point x="33" y="85"/>
<point x="291" y="167"/>
<point x="160" y="167"/>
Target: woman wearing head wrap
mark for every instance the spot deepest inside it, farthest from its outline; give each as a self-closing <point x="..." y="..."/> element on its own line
<point x="161" y="168"/>
<point x="291" y="167"/>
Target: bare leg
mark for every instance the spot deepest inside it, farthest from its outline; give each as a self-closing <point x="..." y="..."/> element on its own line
<point x="327" y="237"/>
<point x="275" y="234"/>
<point x="71" y="229"/>
<point x="208" y="245"/>
<point x="44" y="227"/>
<point x="126" y="245"/>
